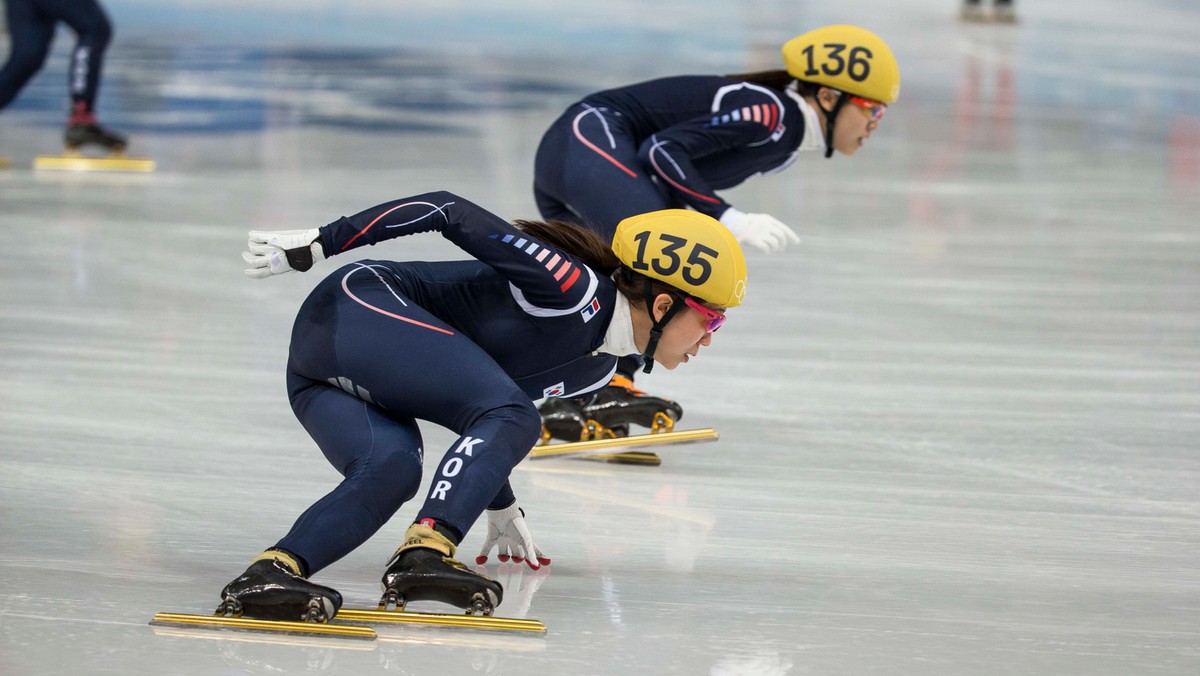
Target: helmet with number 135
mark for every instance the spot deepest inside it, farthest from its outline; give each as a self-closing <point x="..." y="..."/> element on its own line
<point x="692" y="253"/>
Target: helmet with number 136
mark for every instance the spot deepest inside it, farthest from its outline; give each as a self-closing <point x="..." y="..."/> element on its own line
<point x="852" y="61"/>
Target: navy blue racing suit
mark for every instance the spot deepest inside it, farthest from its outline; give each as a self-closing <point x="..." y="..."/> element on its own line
<point x="467" y="345"/>
<point x="666" y="143"/>
<point x="662" y="144"/>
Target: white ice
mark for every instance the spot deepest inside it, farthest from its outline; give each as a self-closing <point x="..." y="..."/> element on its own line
<point x="959" y="423"/>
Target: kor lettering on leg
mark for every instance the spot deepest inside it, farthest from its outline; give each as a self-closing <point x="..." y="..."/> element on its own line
<point x="453" y="466"/>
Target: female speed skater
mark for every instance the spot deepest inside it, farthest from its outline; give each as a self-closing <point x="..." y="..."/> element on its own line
<point x="31" y="25"/>
<point x="675" y="141"/>
<point x="542" y="308"/>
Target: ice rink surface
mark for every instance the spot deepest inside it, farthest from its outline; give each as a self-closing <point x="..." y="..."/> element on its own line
<point x="959" y="424"/>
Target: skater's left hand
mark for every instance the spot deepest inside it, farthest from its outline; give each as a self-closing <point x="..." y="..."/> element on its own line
<point x="761" y="231"/>
<point x="274" y="253"/>
<point x="509" y="535"/>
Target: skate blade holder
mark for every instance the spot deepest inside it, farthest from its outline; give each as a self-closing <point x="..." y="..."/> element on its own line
<point x="627" y="458"/>
<point x="594" y="429"/>
<point x="77" y="161"/>
<point x="395" y="602"/>
<point x="272" y="626"/>
<point x="489" y="622"/>
<point x="663" y="424"/>
<point x="595" y="448"/>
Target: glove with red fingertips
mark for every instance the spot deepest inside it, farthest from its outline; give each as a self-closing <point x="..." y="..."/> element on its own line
<point x="509" y="535"/>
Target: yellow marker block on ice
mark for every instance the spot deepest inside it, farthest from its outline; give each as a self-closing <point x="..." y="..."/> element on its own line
<point x="77" y="162"/>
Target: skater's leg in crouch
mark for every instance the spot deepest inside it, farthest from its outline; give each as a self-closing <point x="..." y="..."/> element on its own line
<point x="380" y="458"/>
<point x="30" y="33"/>
<point x="472" y="473"/>
<point x="418" y="368"/>
<point x="378" y="454"/>
<point x="93" y="31"/>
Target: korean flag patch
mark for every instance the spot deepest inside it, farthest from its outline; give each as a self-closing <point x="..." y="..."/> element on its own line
<point x="591" y="310"/>
<point x="554" y="390"/>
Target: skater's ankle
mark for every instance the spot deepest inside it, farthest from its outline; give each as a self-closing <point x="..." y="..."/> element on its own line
<point x="81" y="114"/>
<point x="294" y="564"/>
<point x="445" y="530"/>
<point x="430" y="534"/>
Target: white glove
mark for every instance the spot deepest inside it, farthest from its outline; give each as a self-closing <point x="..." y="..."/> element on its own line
<point x="509" y="535"/>
<point x="274" y="253"/>
<point x="761" y="231"/>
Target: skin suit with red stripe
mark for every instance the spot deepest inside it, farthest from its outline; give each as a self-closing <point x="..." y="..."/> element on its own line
<point x="666" y="143"/>
<point x="467" y="345"/>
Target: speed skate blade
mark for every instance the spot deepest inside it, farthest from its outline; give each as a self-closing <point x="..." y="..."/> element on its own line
<point x="442" y="620"/>
<point x="276" y="626"/>
<point x="627" y="458"/>
<point x="594" y="446"/>
<point x="76" y="162"/>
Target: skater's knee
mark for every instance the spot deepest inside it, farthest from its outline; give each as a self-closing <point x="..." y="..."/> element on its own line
<point x="98" y="36"/>
<point x="526" y="424"/>
<point x="96" y="32"/>
<point x="392" y="479"/>
<point x="513" y="426"/>
<point x="25" y="62"/>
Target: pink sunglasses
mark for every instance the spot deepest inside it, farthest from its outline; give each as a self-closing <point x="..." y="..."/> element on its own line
<point x="712" y="319"/>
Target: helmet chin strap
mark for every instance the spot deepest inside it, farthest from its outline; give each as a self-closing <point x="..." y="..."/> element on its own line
<point x="829" y="119"/>
<point x="656" y="329"/>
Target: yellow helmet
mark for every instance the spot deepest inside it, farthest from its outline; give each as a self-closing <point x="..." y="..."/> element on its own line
<point x="846" y="58"/>
<point x="690" y="251"/>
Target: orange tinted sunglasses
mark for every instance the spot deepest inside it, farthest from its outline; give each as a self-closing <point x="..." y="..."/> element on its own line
<point x="873" y="109"/>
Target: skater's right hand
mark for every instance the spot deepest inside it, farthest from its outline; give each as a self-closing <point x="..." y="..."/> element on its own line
<point x="761" y="231"/>
<point x="280" y="251"/>
<point x="509" y="535"/>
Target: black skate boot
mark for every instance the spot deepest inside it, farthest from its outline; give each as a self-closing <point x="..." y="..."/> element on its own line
<point x="423" y="569"/>
<point x="272" y="588"/>
<point x="611" y="411"/>
<point x="91" y="134"/>
<point x="563" y="419"/>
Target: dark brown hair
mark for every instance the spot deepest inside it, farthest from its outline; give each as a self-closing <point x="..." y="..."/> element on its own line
<point x="778" y="79"/>
<point x="595" y="253"/>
